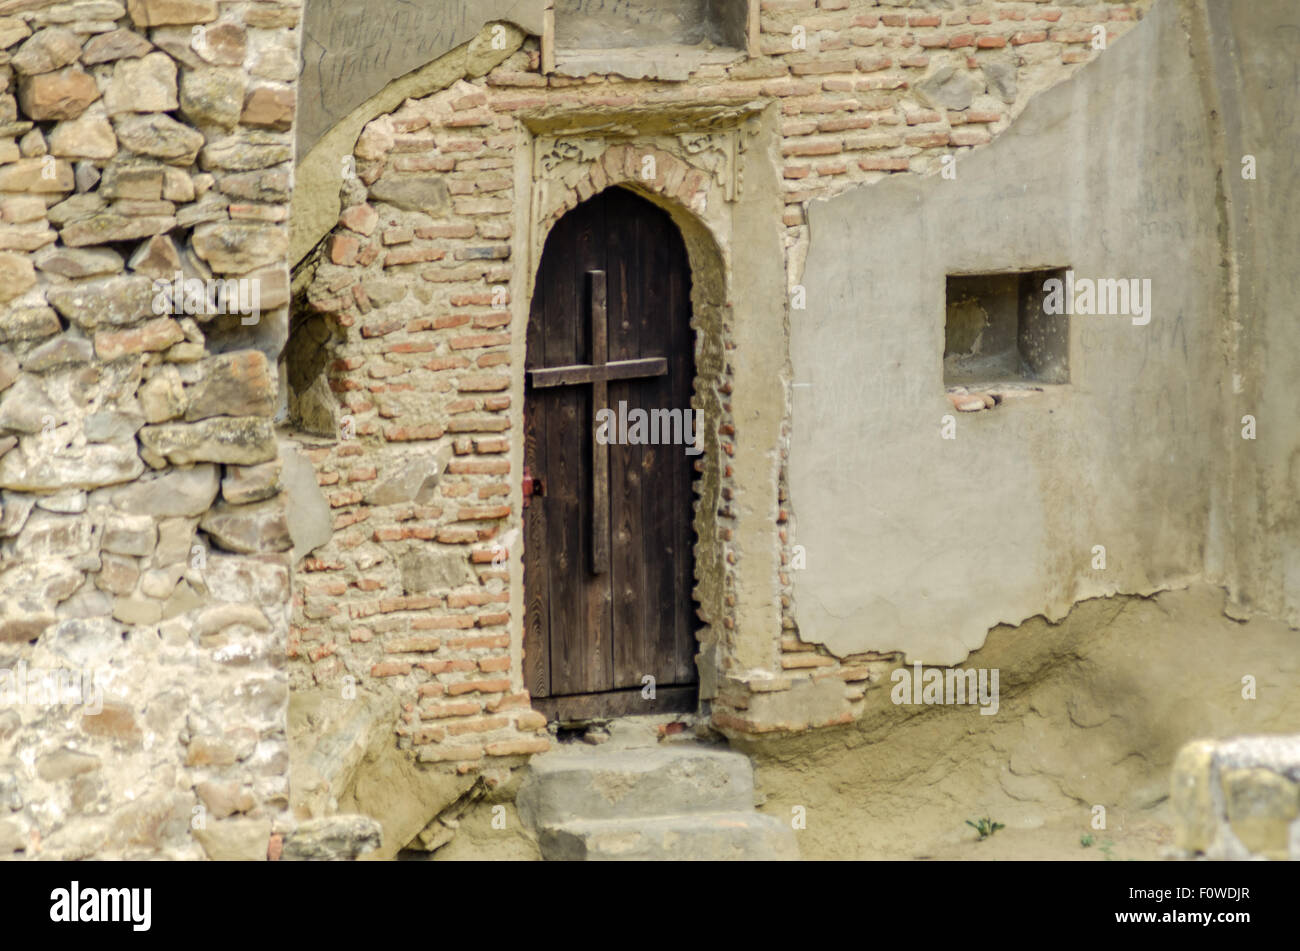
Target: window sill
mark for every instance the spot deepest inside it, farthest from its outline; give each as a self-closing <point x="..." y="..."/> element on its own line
<point x="973" y="398"/>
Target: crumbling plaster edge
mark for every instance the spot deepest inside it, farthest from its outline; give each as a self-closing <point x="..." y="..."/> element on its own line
<point x="315" y="207"/>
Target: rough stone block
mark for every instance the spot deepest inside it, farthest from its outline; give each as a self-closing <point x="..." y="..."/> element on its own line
<point x="130" y="535"/>
<point x="171" y="12"/>
<point x="147" y="84"/>
<point x="333" y="838"/>
<point x="241" y="383"/>
<point x="45" y="51"/>
<point x="1238" y="798"/>
<point x="260" y="527"/>
<point x="60" y="95"/>
<point x="244" y="441"/>
<point x="180" y="493"/>
<point x="113" y="301"/>
<point x="310" y="521"/>
<point x="235" y="840"/>
<point x="245" y="484"/>
<point x="17" y="275"/>
<point x="159" y="136"/>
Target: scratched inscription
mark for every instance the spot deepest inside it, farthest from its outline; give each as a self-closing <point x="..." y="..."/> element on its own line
<point x="353" y="48"/>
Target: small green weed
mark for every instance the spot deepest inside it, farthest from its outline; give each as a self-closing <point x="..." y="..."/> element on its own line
<point x="985" y="827"/>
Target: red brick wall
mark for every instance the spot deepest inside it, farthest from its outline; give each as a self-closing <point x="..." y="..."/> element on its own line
<point x="435" y="365"/>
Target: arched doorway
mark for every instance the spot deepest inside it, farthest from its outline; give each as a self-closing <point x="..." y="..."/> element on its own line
<point x="610" y="446"/>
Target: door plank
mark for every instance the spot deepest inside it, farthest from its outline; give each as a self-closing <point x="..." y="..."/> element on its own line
<point x="537" y="651"/>
<point x="589" y="634"/>
<point x="663" y="315"/>
<point x="599" y="450"/>
<point x="564" y="477"/>
<point x="632" y="658"/>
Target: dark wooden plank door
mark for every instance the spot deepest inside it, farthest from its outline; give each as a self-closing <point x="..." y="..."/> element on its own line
<point x="591" y="632"/>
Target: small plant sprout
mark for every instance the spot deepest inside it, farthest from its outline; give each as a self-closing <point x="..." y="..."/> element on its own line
<point x="985" y="827"/>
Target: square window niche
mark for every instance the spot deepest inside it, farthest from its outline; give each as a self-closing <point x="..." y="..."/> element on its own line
<point x="645" y="39"/>
<point x="997" y="332"/>
<point x="618" y="24"/>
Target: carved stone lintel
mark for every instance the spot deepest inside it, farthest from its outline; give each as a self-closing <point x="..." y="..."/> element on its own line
<point x="716" y="153"/>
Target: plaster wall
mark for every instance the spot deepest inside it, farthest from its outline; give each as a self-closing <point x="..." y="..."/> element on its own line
<point x="920" y="544"/>
<point x="1255" y="75"/>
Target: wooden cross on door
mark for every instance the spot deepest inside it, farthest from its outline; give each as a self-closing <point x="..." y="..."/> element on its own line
<point x="599" y="373"/>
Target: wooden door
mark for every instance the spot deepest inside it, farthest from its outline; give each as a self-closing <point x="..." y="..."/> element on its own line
<point x="608" y="563"/>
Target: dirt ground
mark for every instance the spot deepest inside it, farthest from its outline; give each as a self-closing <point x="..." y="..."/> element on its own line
<point x="1093" y="710"/>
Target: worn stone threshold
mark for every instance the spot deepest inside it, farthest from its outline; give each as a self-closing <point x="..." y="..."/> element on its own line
<point x="632" y="732"/>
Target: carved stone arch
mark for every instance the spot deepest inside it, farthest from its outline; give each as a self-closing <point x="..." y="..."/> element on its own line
<point x="649" y="170"/>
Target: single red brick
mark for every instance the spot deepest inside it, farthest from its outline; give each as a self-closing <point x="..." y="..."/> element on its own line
<point x="448" y="754"/>
<point x="457" y="536"/>
<point x="883" y="164"/>
<point x="152" y="336"/>
<point x="446" y="623"/>
<point x="363" y="219"/>
<point x="343" y="249"/>
<point x="478" y="466"/>
<point x="518" y="747"/>
<point x="485" y="725"/>
<point x="478" y="686"/>
<point x="462" y="708"/>
<point x="509" y="702"/>
<point x="412" y="645"/>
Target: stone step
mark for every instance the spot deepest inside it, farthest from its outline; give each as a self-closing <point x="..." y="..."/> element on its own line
<point x="708" y="836"/>
<point x="643" y="783"/>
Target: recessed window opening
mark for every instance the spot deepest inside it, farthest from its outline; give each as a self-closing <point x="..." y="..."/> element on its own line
<point x="998" y="333"/>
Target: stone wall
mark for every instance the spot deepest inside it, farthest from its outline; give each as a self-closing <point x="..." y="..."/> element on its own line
<point x="419" y="301"/>
<point x="1238" y="799"/>
<point x="143" y="543"/>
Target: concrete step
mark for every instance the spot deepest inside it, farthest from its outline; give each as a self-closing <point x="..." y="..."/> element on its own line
<point x="586" y="784"/>
<point x="706" y="836"/>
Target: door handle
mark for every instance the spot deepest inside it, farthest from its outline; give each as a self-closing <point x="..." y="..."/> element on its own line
<point x="532" y="486"/>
